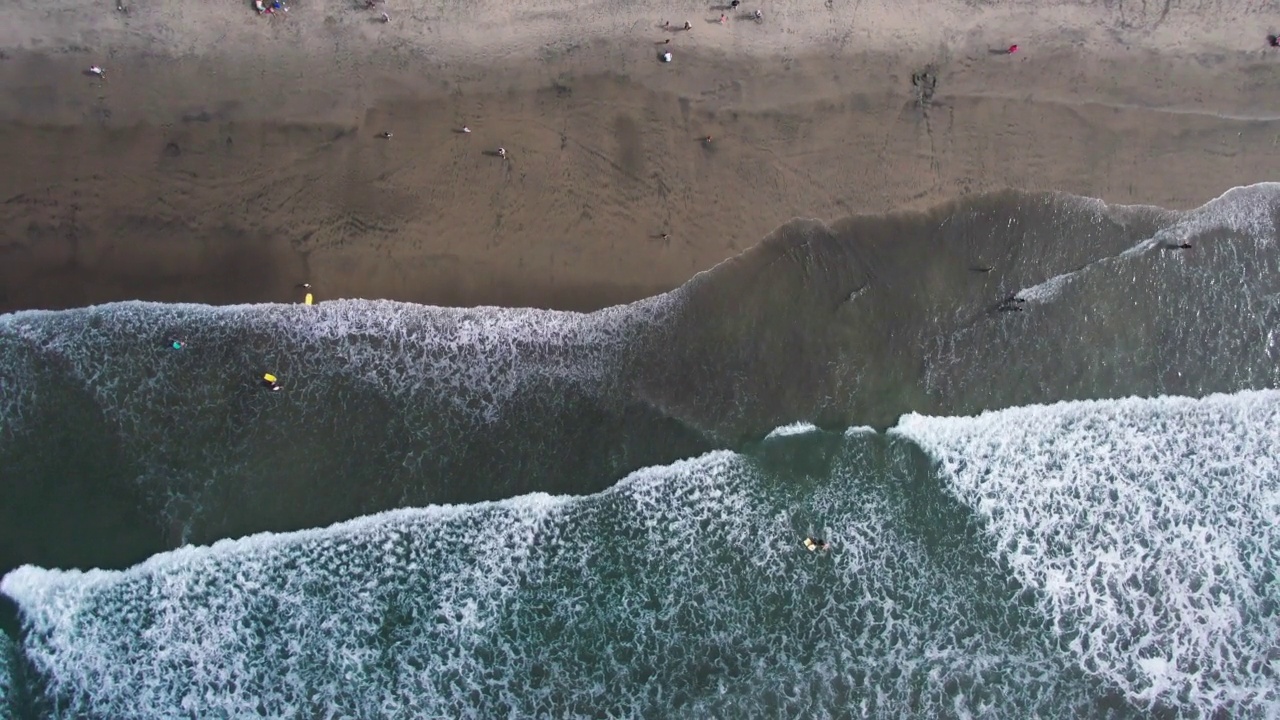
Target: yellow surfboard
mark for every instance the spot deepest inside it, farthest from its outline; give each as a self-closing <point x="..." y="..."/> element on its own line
<point x="268" y="377"/>
<point x="308" y="299"/>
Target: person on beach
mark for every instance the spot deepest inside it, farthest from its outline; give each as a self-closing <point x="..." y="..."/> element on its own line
<point x="723" y="18"/>
<point x="386" y="18"/>
<point x="816" y="544"/>
<point x="466" y="130"/>
<point x="687" y="26"/>
<point x="1012" y="49"/>
<point x="706" y="140"/>
<point x="757" y="16"/>
<point x="502" y="153"/>
<point x="384" y="135"/>
<point x="735" y="4"/>
<point x="97" y="71"/>
<point x="1273" y="41"/>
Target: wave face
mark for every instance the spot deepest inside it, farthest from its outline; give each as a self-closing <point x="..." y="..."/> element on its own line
<point x="116" y="446"/>
<point x="1107" y="559"/>
<point x="869" y="318"/>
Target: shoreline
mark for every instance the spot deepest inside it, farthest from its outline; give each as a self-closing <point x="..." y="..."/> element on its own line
<point x="223" y="165"/>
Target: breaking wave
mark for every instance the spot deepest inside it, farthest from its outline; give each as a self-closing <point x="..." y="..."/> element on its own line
<point x="1084" y="559"/>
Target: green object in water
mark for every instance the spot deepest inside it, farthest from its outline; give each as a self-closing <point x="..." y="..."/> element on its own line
<point x="177" y="344"/>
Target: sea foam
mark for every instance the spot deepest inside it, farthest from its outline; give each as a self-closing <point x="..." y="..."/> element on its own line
<point x="1149" y="529"/>
<point x="682" y="591"/>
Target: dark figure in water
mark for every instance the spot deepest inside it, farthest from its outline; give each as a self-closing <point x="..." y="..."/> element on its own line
<point x="1010" y="304"/>
<point x="815" y="544"/>
<point x="1177" y="246"/>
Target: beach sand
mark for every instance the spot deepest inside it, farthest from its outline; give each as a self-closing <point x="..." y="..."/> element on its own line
<point x="227" y="157"/>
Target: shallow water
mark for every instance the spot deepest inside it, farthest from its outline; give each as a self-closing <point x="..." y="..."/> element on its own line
<point x="1077" y="559"/>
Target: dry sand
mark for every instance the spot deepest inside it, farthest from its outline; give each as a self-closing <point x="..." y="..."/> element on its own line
<point x="227" y="156"/>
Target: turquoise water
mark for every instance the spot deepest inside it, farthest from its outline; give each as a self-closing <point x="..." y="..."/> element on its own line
<point x="517" y="513"/>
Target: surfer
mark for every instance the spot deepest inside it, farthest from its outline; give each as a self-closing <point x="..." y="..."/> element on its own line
<point x="816" y="544"/>
<point x="269" y="382"/>
<point x="1010" y="304"/>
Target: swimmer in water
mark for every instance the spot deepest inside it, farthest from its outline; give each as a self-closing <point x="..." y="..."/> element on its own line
<point x="816" y="544"/>
<point x="270" y="383"/>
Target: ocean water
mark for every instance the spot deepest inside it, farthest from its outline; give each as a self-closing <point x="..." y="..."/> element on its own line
<point x="1038" y="434"/>
<point x="1110" y="558"/>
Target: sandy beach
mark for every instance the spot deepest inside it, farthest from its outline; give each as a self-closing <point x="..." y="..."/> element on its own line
<point x="227" y="157"/>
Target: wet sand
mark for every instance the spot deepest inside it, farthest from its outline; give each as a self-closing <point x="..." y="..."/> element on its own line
<point x="228" y="157"/>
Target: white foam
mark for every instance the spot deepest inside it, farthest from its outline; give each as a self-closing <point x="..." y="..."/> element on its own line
<point x="1149" y="528"/>
<point x="398" y="349"/>
<point x="683" y="590"/>
<point x="859" y="430"/>
<point x="6" y="677"/>
<point x="443" y="375"/>
<point x="797" y="428"/>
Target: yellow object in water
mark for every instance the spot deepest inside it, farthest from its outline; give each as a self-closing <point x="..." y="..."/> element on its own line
<point x="269" y="377"/>
<point x="308" y="299"/>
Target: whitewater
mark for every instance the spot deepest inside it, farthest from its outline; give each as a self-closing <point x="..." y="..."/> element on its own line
<point x="1079" y="559"/>
<point x="1038" y="432"/>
